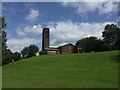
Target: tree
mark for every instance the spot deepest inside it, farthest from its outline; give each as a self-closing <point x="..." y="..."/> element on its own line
<point x="102" y="46"/>
<point x="6" y="53"/>
<point x="4" y="34"/>
<point x="32" y="50"/>
<point x="2" y="22"/>
<point x="29" y="51"/>
<point x="6" y="56"/>
<point x="24" y="52"/>
<point x="111" y="35"/>
<point x="4" y="40"/>
<point x="87" y="44"/>
<point x="16" y="56"/>
<point x="90" y="44"/>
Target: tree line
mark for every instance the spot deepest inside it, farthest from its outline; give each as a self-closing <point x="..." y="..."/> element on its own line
<point x="110" y="41"/>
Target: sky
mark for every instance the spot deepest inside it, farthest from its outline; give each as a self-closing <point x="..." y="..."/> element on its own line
<point x="68" y="21"/>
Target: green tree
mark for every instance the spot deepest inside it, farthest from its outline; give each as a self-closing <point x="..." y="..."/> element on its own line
<point x="24" y="52"/>
<point x="102" y="46"/>
<point x="6" y="53"/>
<point x="16" y="56"/>
<point x="87" y="44"/>
<point x="2" y="22"/>
<point x="111" y="35"/>
<point x="4" y="34"/>
<point x="33" y="49"/>
<point x="4" y="40"/>
<point x="29" y="51"/>
<point x="91" y="44"/>
<point x="6" y="56"/>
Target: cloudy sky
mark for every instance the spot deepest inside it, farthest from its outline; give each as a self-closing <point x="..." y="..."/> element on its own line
<point x="68" y="21"/>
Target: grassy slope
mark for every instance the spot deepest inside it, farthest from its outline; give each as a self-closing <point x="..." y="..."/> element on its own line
<point x="0" y="77"/>
<point x="87" y="70"/>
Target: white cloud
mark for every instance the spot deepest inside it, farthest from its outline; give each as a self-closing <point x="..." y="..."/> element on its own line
<point x="108" y="8"/>
<point x="86" y="7"/>
<point x="69" y="32"/>
<point x="20" y="32"/>
<point x="33" y="14"/>
<point x="29" y="30"/>
<point x="19" y="44"/>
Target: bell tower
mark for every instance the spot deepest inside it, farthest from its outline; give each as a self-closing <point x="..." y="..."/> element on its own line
<point x="45" y="38"/>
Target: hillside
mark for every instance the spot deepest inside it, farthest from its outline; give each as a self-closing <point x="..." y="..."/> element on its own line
<point x="85" y="70"/>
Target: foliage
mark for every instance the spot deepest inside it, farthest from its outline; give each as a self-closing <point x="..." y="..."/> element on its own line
<point x="91" y="44"/>
<point x="102" y="46"/>
<point x="4" y="40"/>
<point x="4" y="34"/>
<point x="32" y="50"/>
<point x="43" y="52"/>
<point x="2" y="22"/>
<point x="24" y="52"/>
<point x="16" y="56"/>
<point x="6" y="53"/>
<point x="111" y="35"/>
<point x="6" y="56"/>
<point x="29" y="51"/>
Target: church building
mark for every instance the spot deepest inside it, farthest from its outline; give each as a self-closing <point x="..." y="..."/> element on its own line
<point x="68" y="48"/>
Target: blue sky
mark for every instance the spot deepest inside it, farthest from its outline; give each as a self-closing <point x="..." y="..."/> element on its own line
<point x="68" y="21"/>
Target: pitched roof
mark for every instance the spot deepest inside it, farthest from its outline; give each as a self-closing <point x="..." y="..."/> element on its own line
<point x="66" y="45"/>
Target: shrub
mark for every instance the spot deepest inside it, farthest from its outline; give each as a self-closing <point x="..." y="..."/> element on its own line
<point x="43" y="52"/>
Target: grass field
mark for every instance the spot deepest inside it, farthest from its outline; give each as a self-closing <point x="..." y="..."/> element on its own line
<point x="0" y="77"/>
<point x="85" y="70"/>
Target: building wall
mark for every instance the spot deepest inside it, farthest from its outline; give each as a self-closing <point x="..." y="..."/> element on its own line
<point x="45" y="38"/>
<point x="53" y="51"/>
<point x="67" y="49"/>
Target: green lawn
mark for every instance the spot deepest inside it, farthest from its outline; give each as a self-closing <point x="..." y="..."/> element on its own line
<point x="85" y="70"/>
<point x="0" y="77"/>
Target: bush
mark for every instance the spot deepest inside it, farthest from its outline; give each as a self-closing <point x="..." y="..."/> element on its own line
<point x="17" y="56"/>
<point x="43" y="52"/>
<point x="6" y="56"/>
